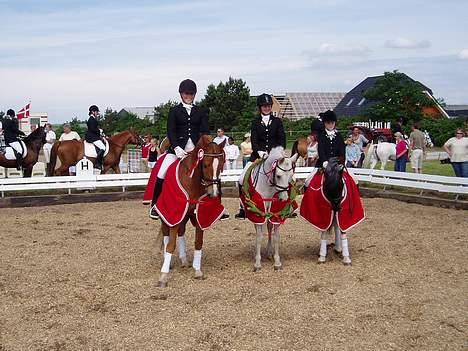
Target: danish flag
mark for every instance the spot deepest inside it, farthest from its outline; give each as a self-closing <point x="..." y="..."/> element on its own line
<point x="24" y="112"/>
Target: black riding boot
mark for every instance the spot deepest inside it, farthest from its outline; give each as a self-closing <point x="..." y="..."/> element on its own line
<point x="241" y="214"/>
<point x="19" y="160"/>
<point x="157" y="191"/>
<point x="99" y="158"/>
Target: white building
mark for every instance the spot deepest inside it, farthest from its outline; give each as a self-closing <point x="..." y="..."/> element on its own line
<point x="36" y="119"/>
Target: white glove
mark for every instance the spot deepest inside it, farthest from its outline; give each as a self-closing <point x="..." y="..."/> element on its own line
<point x="261" y="154"/>
<point x="179" y="152"/>
<point x="325" y="164"/>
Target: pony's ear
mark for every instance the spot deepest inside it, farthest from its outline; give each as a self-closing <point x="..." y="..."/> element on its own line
<point x="204" y="141"/>
<point x="223" y="143"/>
<point x="294" y="158"/>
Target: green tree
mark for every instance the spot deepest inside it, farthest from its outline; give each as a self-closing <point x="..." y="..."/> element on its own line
<point x="396" y="95"/>
<point x="230" y="105"/>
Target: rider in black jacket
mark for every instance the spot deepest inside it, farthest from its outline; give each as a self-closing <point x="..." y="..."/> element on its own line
<point x="10" y="133"/>
<point x="93" y="135"/>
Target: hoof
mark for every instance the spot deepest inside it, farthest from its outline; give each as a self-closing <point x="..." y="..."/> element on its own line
<point x="199" y="275"/>
<point x="321" y="260"/>
<point x="347" y="264"/>
<point x="338" y="253"/>
<point x="161" y="284"/>
<point x="278" y="268"/>
<point x="257" y="269"/>
<point x="184" y="263"/>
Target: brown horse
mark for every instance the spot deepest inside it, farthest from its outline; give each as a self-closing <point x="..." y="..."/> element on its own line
<point x="300" y="147"/>
<point x="71" y="151"/>
<point x="34" y="142"/>
<point x="205" y="180"/>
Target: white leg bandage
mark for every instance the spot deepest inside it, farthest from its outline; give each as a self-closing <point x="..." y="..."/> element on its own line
<point x="344" y="244"/>
<point x="165" y="242"/>
<point x="182" y="247"/>
<point x="167" y="262"/>
<point x="338" y="246"/>
<point x="197" y="255"/>
<point x="323" y="247"/>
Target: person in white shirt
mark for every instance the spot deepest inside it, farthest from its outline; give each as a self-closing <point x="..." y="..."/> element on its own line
<point x="232" y="154"/>
<point x="50" y="140"/>
<point x="69" y="134"/>
<point x="220" y="137"/>
<point x="457" y="149"/>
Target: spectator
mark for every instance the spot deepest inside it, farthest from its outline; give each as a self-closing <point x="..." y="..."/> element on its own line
<point x="401" y="153"/>
<point x="360" y="140"/>
<point x="220" y="137"/>
<point x="69" y="134"/>
<point x="145" y="153"/>
<point x="33" y="127"/>
<point x="246" y="149"/>
<point x="153" y="152"/>
<point x="312" y="150"/>
<point x="50" y="140"/>
<point x="417" y="148"/>
<point x="232" y="154"/>
<point x="457" y="149"/>
<point x="352" y="153"/>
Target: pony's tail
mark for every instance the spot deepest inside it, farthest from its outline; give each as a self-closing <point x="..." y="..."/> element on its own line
<point x="367" y="159"/>
<point x="53" y="159"/>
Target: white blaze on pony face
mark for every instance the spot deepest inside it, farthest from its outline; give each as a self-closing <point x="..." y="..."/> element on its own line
<point x="213" y="189"/>
<point x="283" y="176"/>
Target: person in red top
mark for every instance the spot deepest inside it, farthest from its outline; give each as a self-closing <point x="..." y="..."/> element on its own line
<point x="401" y="153"/>
<point x="145" y="151"/>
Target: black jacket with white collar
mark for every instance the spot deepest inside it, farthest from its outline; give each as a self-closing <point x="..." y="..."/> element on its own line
<point x="266" y="137"/>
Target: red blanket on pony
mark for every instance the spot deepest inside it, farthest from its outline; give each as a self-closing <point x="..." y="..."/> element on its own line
<point x="316" y="208"/>
<point x="148" y="195"/>
<point x="255" y="206"/>
<point x="173" y="202"/>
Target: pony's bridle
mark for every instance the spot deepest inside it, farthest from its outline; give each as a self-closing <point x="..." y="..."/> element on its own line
<point x="271" y="174"/>
<point x="207" y="182"/>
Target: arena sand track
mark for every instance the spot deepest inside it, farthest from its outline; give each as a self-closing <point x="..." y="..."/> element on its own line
<point x="81" y="277"/>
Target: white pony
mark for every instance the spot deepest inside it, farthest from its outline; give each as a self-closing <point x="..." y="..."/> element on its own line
<point x="269" y="178"/>
<point x="384" y="151"/>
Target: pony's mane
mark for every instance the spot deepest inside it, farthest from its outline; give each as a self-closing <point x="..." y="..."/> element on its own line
<point x="276" y="153"/>
<point x="34" y="135"/>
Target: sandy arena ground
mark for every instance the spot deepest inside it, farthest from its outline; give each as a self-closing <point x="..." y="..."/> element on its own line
<point x="81" y="277"/>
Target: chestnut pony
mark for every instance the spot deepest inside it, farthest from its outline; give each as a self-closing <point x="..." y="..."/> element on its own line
<point x="205" y="180"/>
<point x="71" y="151"/>
<point x="34" y="142"/>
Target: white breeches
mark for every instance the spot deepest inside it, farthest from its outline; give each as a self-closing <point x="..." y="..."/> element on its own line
<point x="168" y="160"/>
<point x="47" y="148"/>
<point x="99" y="144"/>
<point x="17" y="146"/>
<point x="230" y="164"/>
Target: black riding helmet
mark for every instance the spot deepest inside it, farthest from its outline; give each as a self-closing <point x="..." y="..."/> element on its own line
<point x="328" y="116"/>
<point x="11" y="113"/>
<point x="264" y="99"/>
<point x="188" y="86"/>
<point x="93" y="108"/>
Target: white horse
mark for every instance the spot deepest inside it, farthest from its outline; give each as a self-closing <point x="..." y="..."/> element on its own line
<point x="269" y="178"/>
<point x="385" y="151"/>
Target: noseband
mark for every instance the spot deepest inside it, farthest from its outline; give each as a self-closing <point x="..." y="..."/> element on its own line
<point x="207" y="182"/>
<point x="271" y="174"/>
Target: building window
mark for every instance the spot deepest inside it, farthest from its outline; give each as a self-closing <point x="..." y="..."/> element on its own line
<point x="362" y="101"/>
<point x="350" y="102"/>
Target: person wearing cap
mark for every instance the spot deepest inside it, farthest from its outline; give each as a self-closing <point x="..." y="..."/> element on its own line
<point x="185" y="124"/>
<point x="93" y="135"/>
<point x="401" y="152"/>
<point x="266" y="133"/>
<point x="246" y="149"/>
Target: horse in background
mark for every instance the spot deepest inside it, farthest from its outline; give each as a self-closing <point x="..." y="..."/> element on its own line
<point x="69" y="152"/>
<point x="386" y="151"/>
<point x="33" y="142"/>
<point x="266" y="188"/>
<point x="192" y="183"/>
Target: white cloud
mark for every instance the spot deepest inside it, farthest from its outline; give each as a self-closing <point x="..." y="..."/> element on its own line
<point x="463" y="54"/>
<point x="403" y="43"/>
<point x="343" y="50"/>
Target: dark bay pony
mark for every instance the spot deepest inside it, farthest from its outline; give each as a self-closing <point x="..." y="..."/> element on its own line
<point x="34" y="142"/>
<point x="198" y="176"/>
<point x="71" y="151"/>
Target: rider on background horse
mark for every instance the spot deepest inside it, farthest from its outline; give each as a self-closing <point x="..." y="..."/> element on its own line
<point x="11" y="132"/>
<point x="266" y="133"/>
<point x="93" y="135"/>
<point x="185" y="124"/>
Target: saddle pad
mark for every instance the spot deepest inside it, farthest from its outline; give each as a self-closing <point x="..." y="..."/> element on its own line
<point x="90" y="149"/>
<point x="10" y="154"/>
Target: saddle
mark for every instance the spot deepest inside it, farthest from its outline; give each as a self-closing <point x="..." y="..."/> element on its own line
<point x="90" y="148"/>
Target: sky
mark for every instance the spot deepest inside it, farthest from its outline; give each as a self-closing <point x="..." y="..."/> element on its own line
<point x="64" y="55"/>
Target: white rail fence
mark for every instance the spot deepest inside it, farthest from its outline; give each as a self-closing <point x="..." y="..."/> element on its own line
<point x="442" y="184"/>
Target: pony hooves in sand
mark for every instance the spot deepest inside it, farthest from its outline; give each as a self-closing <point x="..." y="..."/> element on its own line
<point x="278" y="268"/>
<point x="199" y="275"/>
<point x="257" y="269"/>
<point x="161" y="284"/>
